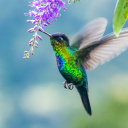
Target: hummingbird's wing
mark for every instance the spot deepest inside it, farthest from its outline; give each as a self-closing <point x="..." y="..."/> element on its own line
<point x="91" y="32"/>
<point x="104" y="50"/>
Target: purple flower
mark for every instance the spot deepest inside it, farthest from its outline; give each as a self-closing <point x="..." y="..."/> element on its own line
<point x="35" y="27"/>
<point x="41" y="29"/>
<point x="35" y="36"/>
<point x="31" y="30"/>
<point x="30" y="41"/>
<point x="43" y="12"/>
<point x="36" y="43"/>
<point x="39" y="37"/>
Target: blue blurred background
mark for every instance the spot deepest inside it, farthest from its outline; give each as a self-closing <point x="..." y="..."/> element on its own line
<point x="31" y="90"/>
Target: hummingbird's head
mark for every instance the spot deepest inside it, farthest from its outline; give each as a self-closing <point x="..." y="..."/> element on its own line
<point x="61" y="38"/>
<point x="58" y="38"/>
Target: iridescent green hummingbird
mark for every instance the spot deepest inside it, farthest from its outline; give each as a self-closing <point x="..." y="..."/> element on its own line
<point x="87" y="52"/>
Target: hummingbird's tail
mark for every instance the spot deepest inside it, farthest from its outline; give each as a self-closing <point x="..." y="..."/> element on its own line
<point x="84" y="97"/>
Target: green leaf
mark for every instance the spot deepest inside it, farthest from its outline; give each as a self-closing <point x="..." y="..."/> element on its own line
<point x="120" y="16"/>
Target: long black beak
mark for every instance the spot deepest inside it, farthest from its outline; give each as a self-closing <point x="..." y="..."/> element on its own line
<point x="48" y="34"/>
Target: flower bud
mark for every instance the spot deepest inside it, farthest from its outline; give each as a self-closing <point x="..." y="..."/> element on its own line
<point x="45" y="24"/>
<point x="31" y="41"/>
<point x="34" y="22"/>
<point x="35" y="27"/>
<point x="36" y="46"/>
<point x="30" y="21"/>
<point x="36" y="43"/>
<point x="35" y="36"/>
<point x="41" y="29"/>
<point x="31" y="30"/>
<point x="25" y="51"/>
<point x="39" y="37"/>
<point x="27" y="56"/>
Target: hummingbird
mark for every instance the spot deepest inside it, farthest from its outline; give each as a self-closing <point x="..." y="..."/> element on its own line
<point x="88" y="50"/>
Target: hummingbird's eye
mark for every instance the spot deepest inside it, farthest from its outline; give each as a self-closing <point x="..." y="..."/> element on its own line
<point x="60" y="39"/>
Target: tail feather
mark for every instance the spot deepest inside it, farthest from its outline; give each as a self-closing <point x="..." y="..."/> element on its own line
<point x="85" y="100"/>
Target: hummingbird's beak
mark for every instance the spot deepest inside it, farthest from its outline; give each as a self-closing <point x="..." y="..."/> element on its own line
<point x="48" y="34"/>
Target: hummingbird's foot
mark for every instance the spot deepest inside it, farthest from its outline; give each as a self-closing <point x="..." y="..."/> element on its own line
<point x="65" y="84"/>
<point x="68" y="85"/>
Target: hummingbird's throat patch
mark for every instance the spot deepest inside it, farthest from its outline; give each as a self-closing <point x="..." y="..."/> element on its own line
<point x="55" y="43"/>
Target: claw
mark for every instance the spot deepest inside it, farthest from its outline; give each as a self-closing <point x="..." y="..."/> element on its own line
<point x="65" y="84"/>
<point x="70" y="86"/>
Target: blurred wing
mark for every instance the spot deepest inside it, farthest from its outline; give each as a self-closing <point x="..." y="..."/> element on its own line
<point x="91" y="32"/>
<point x="103" y="50"/>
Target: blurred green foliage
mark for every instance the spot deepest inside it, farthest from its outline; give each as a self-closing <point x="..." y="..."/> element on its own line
<point x="120" y="16"/>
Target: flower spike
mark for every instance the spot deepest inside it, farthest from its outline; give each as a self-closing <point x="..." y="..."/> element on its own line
<point x="44" y="11"/>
